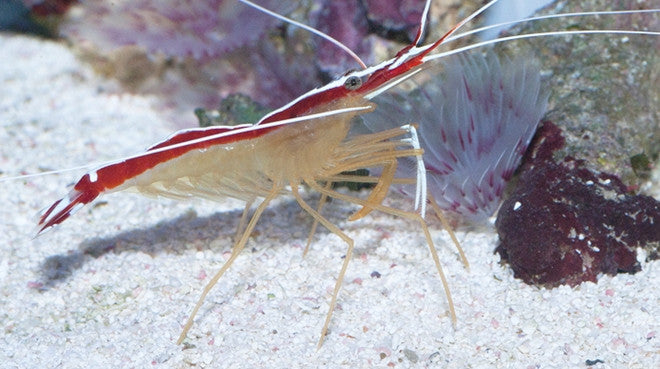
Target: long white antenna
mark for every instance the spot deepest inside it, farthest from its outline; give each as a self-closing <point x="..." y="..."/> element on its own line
<point x="422" y="23"/>
<point x="540" y="34"/>
<point x="308" y="28"/>
<point x="549" y="16"/>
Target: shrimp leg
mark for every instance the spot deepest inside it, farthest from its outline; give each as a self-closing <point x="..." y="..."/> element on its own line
<point x="368" y="146"/>
<point x="450" y="230"/>
<point x="403" y="214"/>
<point x="244" y="216"/>
<point x="349" y="254"/>
<point x="322" y="202"/>
<point x="238" y="247"/>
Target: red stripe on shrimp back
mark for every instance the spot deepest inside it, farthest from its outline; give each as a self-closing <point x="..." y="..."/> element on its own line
<point x="92" y="184"/>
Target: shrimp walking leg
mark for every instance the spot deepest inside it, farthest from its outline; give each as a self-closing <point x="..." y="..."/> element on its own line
<point x="447" y="226"/>
<point x="322" y="202"/>
<point x="349" y="253"/>
<point x="238" y="247"/>
<point x="379" y="192"/>
<point x="244" y="217"/>
<point x="403" y="214"/>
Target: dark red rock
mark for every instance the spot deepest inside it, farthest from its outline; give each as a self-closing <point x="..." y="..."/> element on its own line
<point x="565" y="224"/>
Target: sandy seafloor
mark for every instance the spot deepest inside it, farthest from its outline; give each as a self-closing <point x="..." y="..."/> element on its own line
<point x="112" y="287"/>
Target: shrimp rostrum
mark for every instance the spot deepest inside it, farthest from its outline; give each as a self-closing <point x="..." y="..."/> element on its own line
<point x="303" y="143"/>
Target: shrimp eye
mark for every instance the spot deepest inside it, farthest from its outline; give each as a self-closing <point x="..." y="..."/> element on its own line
<point x="353" y="83"/>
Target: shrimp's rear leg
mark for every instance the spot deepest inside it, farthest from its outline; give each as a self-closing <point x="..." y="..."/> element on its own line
<point x="238" y="247"/>
<point x="349" y="253"/>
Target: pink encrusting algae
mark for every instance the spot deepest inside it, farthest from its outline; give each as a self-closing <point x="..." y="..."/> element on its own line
<point x="476" y="119"/>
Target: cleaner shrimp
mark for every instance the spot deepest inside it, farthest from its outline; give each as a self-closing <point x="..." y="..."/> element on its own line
<point x="304" y="142"/>
<point x="263" y="161"/>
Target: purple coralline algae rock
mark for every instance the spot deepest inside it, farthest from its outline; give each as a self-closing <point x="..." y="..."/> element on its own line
<point x="198" y="29"/>
<point x="398" y="15"/>
<point x="565" y="224"/>
<point x="345" y="21"/>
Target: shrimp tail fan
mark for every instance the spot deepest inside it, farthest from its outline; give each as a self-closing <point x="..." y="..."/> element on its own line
<point x="476" y="117"/>
<point x="84" y="192"/>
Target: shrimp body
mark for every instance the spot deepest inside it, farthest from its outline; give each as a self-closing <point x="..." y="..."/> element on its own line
<point x="149" y="172"/>
<point x="302" y="142"/>
<point x="225" y="167"/>
<point x="255" y="166"/>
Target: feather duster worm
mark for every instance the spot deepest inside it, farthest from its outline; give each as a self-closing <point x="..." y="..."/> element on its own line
<point x="475" y="122"/>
